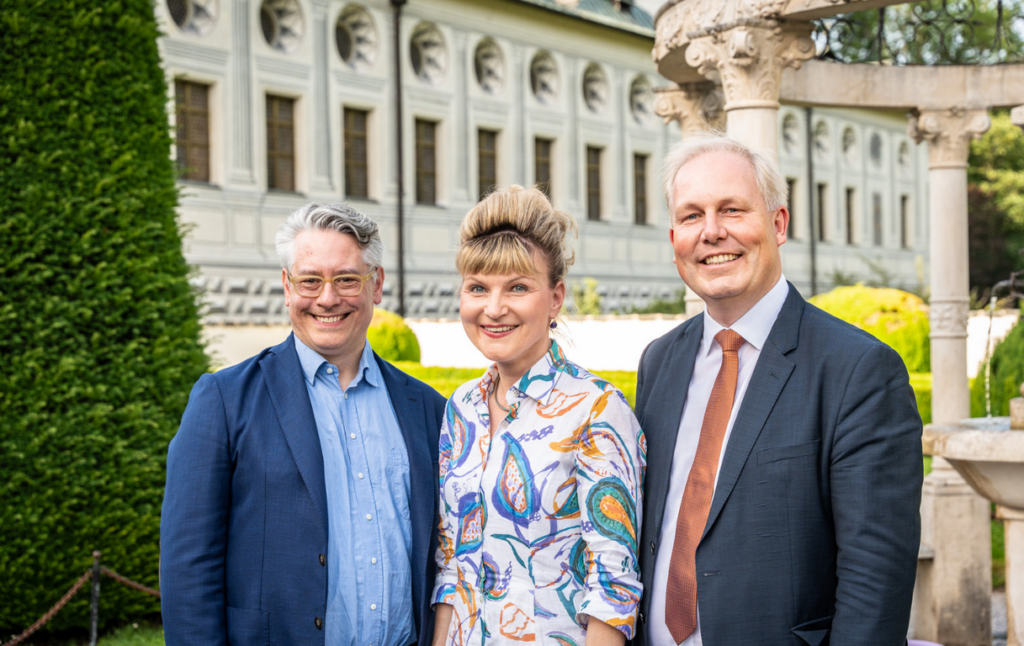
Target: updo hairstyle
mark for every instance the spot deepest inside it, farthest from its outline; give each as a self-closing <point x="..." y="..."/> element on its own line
<point x="501" y="233"/>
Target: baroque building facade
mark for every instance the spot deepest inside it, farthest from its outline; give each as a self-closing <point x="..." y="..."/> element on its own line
<point x="277" y="103"/>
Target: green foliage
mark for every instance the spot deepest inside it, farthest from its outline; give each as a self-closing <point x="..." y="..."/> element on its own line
<point x="897" y="318"/>
<point x="1007" y="375"/>
<point x="101" y="338"/>
<point x="658" y="306"/>
<point x="391" y="338"/>
<point x="586" y="298"/>
<point x="998" y="554"/>
<point x="921" y="382"/>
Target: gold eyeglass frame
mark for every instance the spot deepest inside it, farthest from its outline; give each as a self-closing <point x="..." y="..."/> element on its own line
<point x="324" y="282"/>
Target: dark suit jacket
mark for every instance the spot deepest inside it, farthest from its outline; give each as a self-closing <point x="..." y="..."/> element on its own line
<point x="813" y="532"/>
<point x="244" y="517"/>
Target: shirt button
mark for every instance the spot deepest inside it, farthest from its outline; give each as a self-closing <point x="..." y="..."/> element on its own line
<point x="373" y="560"/>
<point x="330" y="371"/>
<point x="373" y="606"/>
<point x="360" y="476"/>
<point x="369" y="517"/>
<point x="319" y="622"/>
<point x="323" y="560"/>
<point x="352" y="435"/>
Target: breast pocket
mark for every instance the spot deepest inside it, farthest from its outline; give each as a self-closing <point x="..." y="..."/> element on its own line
<point x="779" y="453"/>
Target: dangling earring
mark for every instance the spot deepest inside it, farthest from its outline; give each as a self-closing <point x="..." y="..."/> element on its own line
<point x="554" y="324"/>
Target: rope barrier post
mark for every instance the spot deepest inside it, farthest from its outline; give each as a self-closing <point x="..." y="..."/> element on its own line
<point x="94" y="606"/>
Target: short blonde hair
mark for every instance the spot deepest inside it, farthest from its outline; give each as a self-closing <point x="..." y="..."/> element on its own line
<point x="770" y="183"/>
<point x="501" y="233"/>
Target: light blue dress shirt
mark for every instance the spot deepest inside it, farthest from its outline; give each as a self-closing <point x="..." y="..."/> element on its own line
<point x="366" y="470"/>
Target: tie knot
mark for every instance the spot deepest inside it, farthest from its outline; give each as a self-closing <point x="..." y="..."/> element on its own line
<point x="729" y="340"/>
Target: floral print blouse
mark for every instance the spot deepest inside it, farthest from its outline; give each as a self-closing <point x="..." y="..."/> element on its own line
<point x="541" y="534"/>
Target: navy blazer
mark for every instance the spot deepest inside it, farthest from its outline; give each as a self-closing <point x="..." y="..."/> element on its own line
<point x="244" y="521"/>
<point x="813" y="532"/>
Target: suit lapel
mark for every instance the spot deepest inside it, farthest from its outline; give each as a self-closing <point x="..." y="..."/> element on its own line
<point x="662" y="412"/>
<point x="287" y="387"/>
<point x="412" y="417"/>
<point x="766" y="383"/>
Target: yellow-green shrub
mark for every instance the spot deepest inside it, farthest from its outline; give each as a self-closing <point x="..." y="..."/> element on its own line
<point x="897" y="318"/>
<point x="391" y="338"/>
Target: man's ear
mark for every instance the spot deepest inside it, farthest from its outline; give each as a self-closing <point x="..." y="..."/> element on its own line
<point x="287" y="286"/>
<point x="378" y="287"/>
<point x="780" y="221"/>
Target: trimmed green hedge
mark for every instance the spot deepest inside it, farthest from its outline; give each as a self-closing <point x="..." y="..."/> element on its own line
<point x="391" y="338"/>
<point x="1007" y="375"/>
<point x="100" y="340"/>
<point x="897" y="318"/>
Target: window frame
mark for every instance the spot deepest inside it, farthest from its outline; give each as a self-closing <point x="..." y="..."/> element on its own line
<point x="273" y="123"/>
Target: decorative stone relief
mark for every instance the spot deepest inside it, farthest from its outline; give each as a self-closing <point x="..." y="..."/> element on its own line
<point x="544" y="78"/>
<point x="791" y="134"/>
<point x="595" y="88"/>
<point x="356" y="37"/>
<point x="948" y="318"/>
<point x="641" y="99"/>
<point x="749" y="60"/>
<point x="875" y="149"/>
<point x="822" y="143"/>
<point x="194" y="16"/>
<point x="489" y="66"/>
<point x="849" y="145"/>
<point x="948" y="133"/>
<point x="282" y="24"/>
<point x="695" y="106"/>
<point x="429" y="53"/>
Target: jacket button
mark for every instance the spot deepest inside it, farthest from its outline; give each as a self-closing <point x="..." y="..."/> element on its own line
<point x="642" y="620"/>
<point x="323" y="560"/>
<point x="319" y="622"/>
<point x="652" y="547"/>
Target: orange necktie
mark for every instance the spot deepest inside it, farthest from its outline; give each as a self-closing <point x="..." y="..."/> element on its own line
<point x="681" y="591"/>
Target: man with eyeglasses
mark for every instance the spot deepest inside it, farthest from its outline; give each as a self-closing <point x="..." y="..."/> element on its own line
<point x="301" y="497"/>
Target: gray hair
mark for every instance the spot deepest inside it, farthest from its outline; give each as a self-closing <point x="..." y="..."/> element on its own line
<point x="330" y="217"/>
<point x="770" y="183"/>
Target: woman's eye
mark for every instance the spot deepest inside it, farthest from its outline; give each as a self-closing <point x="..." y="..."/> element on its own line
<point x="519" y="289"/>
<point x="475" y="289"/>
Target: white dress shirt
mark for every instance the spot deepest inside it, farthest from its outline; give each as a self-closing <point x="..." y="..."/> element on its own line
<point x="754" y="327"/>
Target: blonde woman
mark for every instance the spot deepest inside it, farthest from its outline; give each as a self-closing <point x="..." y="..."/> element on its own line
<point x="541" y="462"/>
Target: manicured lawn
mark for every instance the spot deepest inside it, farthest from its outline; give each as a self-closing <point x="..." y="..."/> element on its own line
<point x="134" y="635"/>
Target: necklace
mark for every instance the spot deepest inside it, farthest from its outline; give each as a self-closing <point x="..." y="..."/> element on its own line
<point x="494" y="396"/>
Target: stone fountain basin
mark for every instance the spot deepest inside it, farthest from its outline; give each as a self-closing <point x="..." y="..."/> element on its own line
<point x="986" y="453"/>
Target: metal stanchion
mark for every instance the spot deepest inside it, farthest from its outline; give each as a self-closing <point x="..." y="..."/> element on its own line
<point x="94" y="606"/>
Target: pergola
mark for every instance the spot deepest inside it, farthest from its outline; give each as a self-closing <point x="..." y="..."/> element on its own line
<point x="734" y="61"/>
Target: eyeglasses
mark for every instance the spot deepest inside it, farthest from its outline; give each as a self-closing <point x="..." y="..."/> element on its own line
<point x="344" y="284"/>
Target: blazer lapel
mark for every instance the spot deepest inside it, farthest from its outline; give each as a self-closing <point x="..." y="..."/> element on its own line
<point x="766" y="383"/>
<point x="412" y="417"/>
<point x="287" y="387"/>
<point x="663" y="411"/>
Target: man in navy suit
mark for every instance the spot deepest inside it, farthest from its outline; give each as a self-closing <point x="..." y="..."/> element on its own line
<point x="784" y="446"/>
<point x="302" y="486"/>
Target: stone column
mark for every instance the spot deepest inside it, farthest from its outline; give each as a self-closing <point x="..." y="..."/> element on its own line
<point x="749" y="59"/>
<point x="953" y="595"/>
<point x="694" y="106"/>
<point x="1013" y="532"/>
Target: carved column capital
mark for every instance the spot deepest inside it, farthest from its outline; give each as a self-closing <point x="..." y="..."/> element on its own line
<point x="948" y="132"/>
<point x="695" y="106"/>
<point x="749" y="59"/>
<point x="948" y="317"/>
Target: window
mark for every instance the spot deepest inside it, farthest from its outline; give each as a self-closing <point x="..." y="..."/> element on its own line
<point x="876" y="216"/>
<point x="822" y="194"/>
<point x="356" y="169"/>
<point x="487" y="156"/>
<point x="790" y="199"/>
<point x="593" y="183"/>
<point x="640" y="188"/>
<point x="280" y="143"/>
<point x="851" y="223"/>
<point x="905" y="221"/>
<point x="192" y="130"/>
<point x="426" y="162"/>
<point x="542" y="164"/>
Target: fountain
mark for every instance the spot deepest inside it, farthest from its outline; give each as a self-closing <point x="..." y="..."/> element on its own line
<point x="988" y="452"/>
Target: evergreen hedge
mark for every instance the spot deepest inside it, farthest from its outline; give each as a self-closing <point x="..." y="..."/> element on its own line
<point x="100" y="340"/>
<point x="1007" y="375"/>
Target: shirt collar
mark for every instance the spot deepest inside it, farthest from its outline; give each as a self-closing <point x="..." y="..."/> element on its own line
<point x="539" y="380"/>
<point x="756" y="324"/>
<point x="312" y="362"/>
